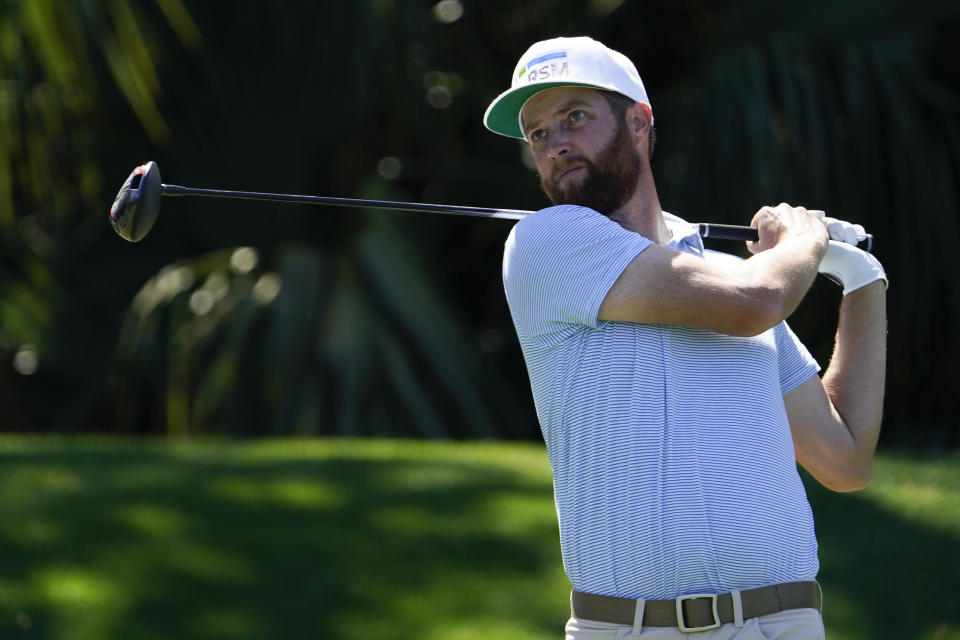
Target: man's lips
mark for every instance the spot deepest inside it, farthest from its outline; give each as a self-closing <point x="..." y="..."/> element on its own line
<point x="566" y="172"/>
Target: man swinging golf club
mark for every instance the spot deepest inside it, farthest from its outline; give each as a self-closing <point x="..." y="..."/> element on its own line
<point x="673" y="398"/>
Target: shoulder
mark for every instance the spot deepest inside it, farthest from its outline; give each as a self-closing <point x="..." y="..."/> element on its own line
<point x="566" y="224"/>
<point x="552" y="228"/>
<point x="558" y="216"/>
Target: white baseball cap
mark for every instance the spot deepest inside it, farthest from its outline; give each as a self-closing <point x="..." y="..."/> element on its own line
<point x="562" y="62"/>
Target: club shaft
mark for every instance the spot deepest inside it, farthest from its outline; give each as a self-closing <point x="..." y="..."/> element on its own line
<point x="723" y="231"/>
<point x="707" y="230"/>
<point x="508" y="214"/>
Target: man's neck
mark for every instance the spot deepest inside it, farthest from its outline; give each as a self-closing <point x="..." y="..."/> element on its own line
<point x="642" y="213"/>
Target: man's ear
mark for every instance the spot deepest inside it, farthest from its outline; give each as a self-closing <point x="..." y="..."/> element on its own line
<point x="639" y="118"/>
<point x="640" y="124"/>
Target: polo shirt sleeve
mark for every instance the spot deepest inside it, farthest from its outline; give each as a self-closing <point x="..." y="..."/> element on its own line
<point x="559" y="263"/>
<point x="796" y="363"/>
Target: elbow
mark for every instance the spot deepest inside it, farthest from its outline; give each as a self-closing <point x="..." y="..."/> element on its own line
<point x="771" y="307"/>
<point x="761" y="310"/>
<point x="854" y="478"/>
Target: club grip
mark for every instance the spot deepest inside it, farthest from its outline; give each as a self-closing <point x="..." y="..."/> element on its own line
<point x="738" y="232"/>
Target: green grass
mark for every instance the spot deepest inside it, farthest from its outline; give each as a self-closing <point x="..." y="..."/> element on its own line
<point x="106" y="538"/>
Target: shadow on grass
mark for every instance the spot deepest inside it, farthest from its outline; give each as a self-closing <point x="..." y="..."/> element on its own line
<point x="883" y="575"/>
<point x="122" y="540"/>
<point x="127" y="542"/>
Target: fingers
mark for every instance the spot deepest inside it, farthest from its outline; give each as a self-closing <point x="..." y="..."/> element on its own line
<point x="843" y="231"/>
<point x="768" y="229"/>
<point x="775" y="223"/>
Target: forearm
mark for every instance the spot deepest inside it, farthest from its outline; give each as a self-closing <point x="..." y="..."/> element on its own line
<point x="729" y="296"/>
<point x="855" y="379"/>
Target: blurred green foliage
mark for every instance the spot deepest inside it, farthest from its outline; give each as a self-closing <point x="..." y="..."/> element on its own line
<point x="256" y="319"/>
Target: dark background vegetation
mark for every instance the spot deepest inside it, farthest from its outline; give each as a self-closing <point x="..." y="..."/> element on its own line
<point x="358" y="322"/>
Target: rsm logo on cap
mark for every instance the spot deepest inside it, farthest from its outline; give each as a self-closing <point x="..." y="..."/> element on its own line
<point x="550" y="66"/>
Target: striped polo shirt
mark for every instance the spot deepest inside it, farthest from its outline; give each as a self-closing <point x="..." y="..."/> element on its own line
<point x="673" y="465"/>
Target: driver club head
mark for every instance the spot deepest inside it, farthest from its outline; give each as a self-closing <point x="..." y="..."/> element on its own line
<point x="137" y="204"/>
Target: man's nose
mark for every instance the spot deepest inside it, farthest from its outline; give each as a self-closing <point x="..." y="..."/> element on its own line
<point x="559" y="145"/>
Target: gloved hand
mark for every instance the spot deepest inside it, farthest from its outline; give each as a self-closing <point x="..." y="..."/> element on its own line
<point x="850" y="267"/>
<point x="843" y="231"/>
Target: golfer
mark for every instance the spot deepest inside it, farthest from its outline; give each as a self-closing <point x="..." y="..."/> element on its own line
<point x="674" y="400"/>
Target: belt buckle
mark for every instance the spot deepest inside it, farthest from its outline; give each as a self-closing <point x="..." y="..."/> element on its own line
<point x="681" y="623"/>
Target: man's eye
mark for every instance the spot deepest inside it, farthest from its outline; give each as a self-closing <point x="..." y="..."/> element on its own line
<point x="539" y="134"/>
<point x="577" y="115"/>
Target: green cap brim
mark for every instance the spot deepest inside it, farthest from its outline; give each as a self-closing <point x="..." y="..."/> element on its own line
<point x="503" y="114"/>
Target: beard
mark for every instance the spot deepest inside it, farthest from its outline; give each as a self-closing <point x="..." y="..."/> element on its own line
<point x="610" y="181"/>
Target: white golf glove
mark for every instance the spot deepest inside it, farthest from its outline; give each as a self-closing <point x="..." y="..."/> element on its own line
<point x="850" y="267"/>
<point x="843" y="231"/>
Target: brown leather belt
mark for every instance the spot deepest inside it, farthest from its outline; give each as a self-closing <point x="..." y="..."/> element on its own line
<point x="697" y="612"/>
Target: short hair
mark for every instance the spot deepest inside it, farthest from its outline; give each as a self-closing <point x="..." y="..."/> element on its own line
<point x="619" y="104"/>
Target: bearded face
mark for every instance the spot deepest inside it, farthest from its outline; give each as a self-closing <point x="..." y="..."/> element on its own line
<point x="605" y="183"/>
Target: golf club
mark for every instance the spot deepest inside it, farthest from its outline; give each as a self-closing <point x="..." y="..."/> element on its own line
<point x="136" y="206"/>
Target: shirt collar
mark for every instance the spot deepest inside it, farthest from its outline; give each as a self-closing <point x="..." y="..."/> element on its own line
<point x="686" y="235"/>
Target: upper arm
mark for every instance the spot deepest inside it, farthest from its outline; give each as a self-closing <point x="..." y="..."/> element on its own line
<point x="663" y="286"/>
<point x="558" y="265"/>
<point x="822" y="443"/>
